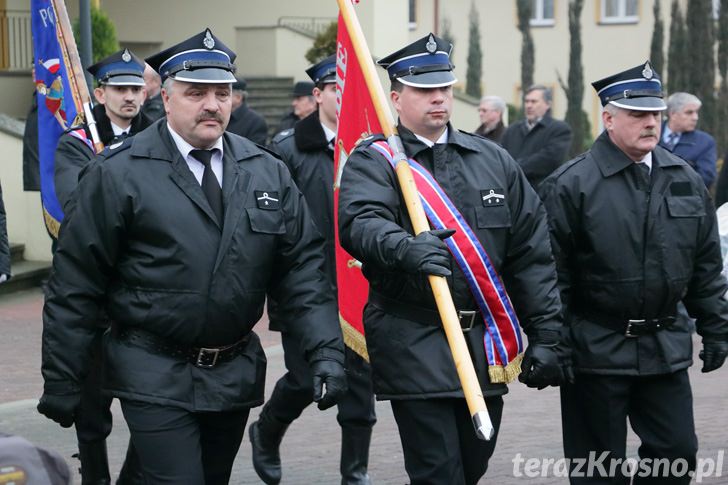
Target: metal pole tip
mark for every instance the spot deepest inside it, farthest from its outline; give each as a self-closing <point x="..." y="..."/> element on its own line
<point x="483" y="426"/>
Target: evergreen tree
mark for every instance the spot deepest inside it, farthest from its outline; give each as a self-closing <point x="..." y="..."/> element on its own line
<point x="657" y="56"/>
<point x="527" y="48"/>
<point x="103" y="34"/>
<point x="677" y="67"/>
<point x="575" y="90"/>
<point x="701" y="74"/>
<point x="323" y="45"/>
<point x="475" y="56"/>
<point x="447" y="31"/>
<point x="722" y="105"/>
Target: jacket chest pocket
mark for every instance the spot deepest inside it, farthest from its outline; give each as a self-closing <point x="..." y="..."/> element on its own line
<point x="493" y="217"/>
<point x="684" y="219"/>
<point x="266" y="221"/>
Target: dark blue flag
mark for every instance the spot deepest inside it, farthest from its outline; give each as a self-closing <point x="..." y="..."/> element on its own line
<point x="58" y="105"/>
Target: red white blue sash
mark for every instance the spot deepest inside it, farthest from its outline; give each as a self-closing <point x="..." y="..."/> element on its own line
<point x="502" y="341"/>
<point x="80" y="133"/>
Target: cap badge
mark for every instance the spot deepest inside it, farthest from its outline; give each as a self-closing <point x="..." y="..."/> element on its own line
<point x="431" y="45"/>
<point x="208" y="41"/>
<point x="126" y="56"/>
<point x="647" y="71"/>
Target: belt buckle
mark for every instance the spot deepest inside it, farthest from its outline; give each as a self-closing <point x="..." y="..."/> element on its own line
<point x="467" y="314"/>
<point x="628" y="331"/>
<point x="203" y="357"/>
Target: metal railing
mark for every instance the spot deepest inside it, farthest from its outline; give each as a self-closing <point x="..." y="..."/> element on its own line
<point x="16" y="41"/>
<point x="309" y="26"/>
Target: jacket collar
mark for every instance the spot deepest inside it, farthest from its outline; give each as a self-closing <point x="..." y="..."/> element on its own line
<point x="414" y="146"/>
<point x="610" y="159"/>
<point x="309" y="134"/>
<point x="103" y="124"/>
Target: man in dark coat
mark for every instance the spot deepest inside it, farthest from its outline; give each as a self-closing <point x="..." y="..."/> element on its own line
<point x="245" y="121"/>
<point x="680" y="136"/>
<point x="179" y="233"/>
<point x="120" y="94"/>
<point x="307" y="150"/>
<point x="153" y="107"/>
<point x="302" y="105"/>
<point x="4" y="244"/>
<point x="490" y="112"/>
<point x="411" y="362"/>
<point x="539" y="143"/>
<point x="31" y="159"/>
<point x="633" y="233"/>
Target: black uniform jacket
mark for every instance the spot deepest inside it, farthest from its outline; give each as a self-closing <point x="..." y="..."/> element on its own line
<point x="72" y="154"/>
<point x="248" y="123"/>
<point x="141" y="238"/>
<point x="538" y="151"/>
<point x="625" y="252"/>
<point x="411" y="359"/>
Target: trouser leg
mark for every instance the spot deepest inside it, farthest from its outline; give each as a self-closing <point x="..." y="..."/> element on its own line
<point x="93" y="420"/>
<point x="356" y="417"/>
<point x="131" y="470"/>
<point x="178" y="447"/>
<point x="594" y="421"/>
<point x="661" y="414"/>
<point x="292" y="394"/>
<point x="433" y="432"/>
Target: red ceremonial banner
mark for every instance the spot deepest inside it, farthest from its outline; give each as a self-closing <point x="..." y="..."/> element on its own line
<point x="357" y="119"/>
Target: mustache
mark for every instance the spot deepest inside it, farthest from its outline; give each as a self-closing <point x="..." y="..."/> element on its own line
<point x="209" y="116"/>
<point x="648" y="133"/>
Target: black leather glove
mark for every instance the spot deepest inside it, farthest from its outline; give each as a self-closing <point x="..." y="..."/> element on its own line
<point x="713" y="355"/>
<point x="426" y="253"/>
<point x="541" y="366"/>
<point x="329" y="382"/>
<point x="61" y="408"/>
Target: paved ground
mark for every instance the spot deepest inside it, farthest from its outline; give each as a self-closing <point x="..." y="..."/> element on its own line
<point x="531" y="422"/>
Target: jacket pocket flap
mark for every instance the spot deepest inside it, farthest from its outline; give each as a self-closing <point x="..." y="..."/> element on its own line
<point x="690" y="206"/>
<point x="266" y="221"/>
<point x="490" y="217"/>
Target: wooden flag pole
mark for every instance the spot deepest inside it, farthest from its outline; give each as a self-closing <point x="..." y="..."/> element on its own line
<point x="443" y="298"/>
<point x="75" y="74"/>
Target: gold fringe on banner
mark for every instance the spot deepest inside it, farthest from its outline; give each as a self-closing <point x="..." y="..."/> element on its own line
<point x="507" y="374"/>
<point x="353" y="339"/>
<point x="51" y="223"/>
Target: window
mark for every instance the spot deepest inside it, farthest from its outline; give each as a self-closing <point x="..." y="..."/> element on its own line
<point x="412" y="14"/>
<point x="542" y="13"/>
<point x="619" y="11"/>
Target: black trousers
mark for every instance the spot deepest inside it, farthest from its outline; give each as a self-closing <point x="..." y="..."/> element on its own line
<point x="439" y="442"/>
<point x="180" y="447"/>
<point x="594" y="413"/>
<point x="294" y="391"/>
<point x="93" y="421"/>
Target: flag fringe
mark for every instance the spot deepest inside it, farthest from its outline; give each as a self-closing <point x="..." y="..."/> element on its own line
<point x="354" y="339"/>
<point x="499" y="374"/>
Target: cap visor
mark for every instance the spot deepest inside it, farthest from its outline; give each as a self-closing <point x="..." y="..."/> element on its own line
<point x="641" y="104"/>
<point x="125" y="80"/>
<point x="206" y="75"/>
<point x="436" y="79"/>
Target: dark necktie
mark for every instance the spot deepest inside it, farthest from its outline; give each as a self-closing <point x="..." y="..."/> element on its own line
<point x="121" y="137"/>
<point x="672" y="140"/>
<point x="210" y="186"/>
<point x="643" y="175"/>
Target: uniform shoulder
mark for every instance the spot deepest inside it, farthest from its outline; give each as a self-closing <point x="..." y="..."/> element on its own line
<point x="283" y="135"/>
<point x="577" y="163"/>
<point x="111" y="151"/>
<point x="366" y="142"/>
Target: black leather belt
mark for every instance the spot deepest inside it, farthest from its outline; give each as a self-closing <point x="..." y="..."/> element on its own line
<point x="631" y="328"/>
<point x="202" y="357"/>
<point x="425" y="316"/>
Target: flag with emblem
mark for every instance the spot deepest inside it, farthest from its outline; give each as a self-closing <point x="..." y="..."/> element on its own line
<point x="61" y="95"/>
<point x="357" y="119"/>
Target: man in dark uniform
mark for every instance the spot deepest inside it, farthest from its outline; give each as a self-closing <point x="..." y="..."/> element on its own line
<point x="411" y="362"/>
<point x="539" y="143"/>
<point x="245" y="121"/>
<point x="120" y="94"/>
<point x="307" y="150"/>
<point x="179" y="233"/>
<point x="302" y="105"/>
<point x="633" y="233"/>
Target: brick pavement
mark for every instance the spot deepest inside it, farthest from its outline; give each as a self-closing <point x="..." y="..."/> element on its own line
<point x="310" y="450"/>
